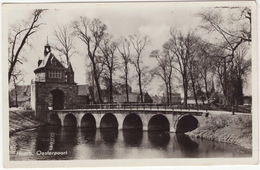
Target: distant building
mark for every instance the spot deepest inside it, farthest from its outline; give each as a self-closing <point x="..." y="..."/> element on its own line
<point x="121" y="98"/>
<point x="147" y="98"/>
<point x="156" y="99"/>
<point x="175" y="98"/>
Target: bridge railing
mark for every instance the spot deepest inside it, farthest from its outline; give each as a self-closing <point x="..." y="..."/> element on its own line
<point x="161" y="106"/>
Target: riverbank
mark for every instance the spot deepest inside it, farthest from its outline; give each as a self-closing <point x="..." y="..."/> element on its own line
<point x="21" y="120"/>
<point x="234" y="129"/>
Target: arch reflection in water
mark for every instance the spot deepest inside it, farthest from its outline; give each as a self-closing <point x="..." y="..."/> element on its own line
<point x="159" y="138"/>
<point x="47" y="141"/>
<point x="187" y="146"/>
<point x="133" y="137"/>
<point x="88" y="135"/>
<point x="109" y="135"/>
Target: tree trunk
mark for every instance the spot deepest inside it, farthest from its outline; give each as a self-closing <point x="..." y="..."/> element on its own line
<point x="170" y="90"/>
<point x="224" y="85"/>
<point x="111" y="86"/>
<point x="185" y="91"/>
<point x="193" y="85"/>
<point x="194" y="91"/>
<point x="97" y="83"/>
<point x="167" y="92"/>
<point x="126" y="86"/>
<point x="10" y="71"/>
<point x="206" y="85"/>
<point x="140" y="87"/>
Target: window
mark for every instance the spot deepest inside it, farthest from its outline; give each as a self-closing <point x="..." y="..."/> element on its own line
<point x="55" y="74"/>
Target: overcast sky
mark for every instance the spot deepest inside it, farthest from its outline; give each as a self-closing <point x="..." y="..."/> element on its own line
<point x="122" y="19"/>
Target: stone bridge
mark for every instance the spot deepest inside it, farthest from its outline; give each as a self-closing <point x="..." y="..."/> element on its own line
<point x="174" y="121"/>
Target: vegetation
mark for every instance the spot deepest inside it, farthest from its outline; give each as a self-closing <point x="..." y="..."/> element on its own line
<point x="198" y="62"/>
<point x="21" y="120"/>
<point x="226" y="128"/>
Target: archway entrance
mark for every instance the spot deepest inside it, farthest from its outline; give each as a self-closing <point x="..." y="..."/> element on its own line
<point x="132" y="121"/>
<point x="70" y="120"/>
<point x="88" y="121"/>
<point x="109" y="121"/>
<point x="159" y="122"/>
<point x="186" y="124"/>
<point x="57" y="99"/>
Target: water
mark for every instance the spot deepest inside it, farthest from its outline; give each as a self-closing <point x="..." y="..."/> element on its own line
<point x="79" y="144"/>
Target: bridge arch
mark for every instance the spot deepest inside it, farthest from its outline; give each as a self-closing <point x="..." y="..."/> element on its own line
<point x="132" y="121"/>
<point x="186" y="123"/>
<point x="54" y="119"/>
<point x="70" y="120"/>
<point x="88" y="121"/>
<point x="109" y="120"/>
<point x="159" y="122"/>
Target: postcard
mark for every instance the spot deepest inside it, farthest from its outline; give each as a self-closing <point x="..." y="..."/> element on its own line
<point x="101" y="84"/>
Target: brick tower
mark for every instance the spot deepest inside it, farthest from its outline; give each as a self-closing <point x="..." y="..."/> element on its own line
<point x="53" y="87"/>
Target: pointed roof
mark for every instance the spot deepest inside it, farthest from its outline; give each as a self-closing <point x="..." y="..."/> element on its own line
<point x="45" y="60"/>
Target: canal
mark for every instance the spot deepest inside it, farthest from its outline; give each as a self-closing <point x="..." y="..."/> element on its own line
<point x="68" y="143"/>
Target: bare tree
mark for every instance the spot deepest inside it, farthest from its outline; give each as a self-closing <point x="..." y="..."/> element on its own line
<point x="180" y="46"/>
<point x="139" y="43"/>
<point x="109" y="48"/>
<point x="230" y="33"/>
<point x="124" y="49"/>
<point x="161" y="70"/>
<point x="164" y="70"/>
<point x="19" y="38"/>
<point x="65" y="39"/>
<point x="208" y="57"/>
<point x="92" y="32"/>
<point x="240" y="71"/>
<point x="17" y="78"/>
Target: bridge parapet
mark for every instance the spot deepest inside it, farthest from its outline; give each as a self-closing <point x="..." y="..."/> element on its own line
<point x="162" y="106"/>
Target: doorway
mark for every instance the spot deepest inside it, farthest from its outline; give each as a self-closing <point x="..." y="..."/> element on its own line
<point x="57" y="99"/>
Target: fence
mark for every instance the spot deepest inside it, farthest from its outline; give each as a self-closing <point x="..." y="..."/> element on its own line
<point x="153" y="106"/>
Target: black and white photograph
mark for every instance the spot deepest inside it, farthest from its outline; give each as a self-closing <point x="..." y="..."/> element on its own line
<point x="130" y="82"/>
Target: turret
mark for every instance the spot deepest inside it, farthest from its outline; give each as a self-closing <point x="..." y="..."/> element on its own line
<point x="47" y="49"/>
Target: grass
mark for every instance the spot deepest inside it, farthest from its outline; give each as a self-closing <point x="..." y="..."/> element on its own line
<point x="235" y="129"/>
<point x="21" y="120"/>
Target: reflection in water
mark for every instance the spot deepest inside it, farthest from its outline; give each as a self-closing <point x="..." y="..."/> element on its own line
<point x="159" y="139"/>
<point x="87" y="143"/>
<point x="109" y="135"/>
<point x="186" y="145"/>
<point x="133" y="137"/>
<point x="47" y="138"/>
<point x="88" y="135"/>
